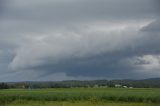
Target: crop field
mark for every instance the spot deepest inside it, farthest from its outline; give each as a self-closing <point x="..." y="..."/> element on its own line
<point x="80" y="97"/>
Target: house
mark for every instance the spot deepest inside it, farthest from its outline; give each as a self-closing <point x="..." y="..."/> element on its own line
<point x="118" y="85"/>
<point x="125" y="87"/>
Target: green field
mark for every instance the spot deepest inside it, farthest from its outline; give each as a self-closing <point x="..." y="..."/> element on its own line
<point x="80" y="97"/>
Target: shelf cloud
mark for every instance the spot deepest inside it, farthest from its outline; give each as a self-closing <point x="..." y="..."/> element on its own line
<point x="79" y="39"/>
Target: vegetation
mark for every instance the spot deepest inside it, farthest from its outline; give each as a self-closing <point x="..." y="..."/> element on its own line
<point x="80" y="103"/>
<point x="80" y="96"/>
<point x="4" y="86"/>
<point x="81" y="93"/>
<point x="147" y="83"/>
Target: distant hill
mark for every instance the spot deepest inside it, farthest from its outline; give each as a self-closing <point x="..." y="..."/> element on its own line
<point x="143" y="83"/>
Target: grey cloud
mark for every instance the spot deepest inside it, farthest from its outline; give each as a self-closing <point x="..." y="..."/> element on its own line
<point x="106" y="63"/>
<point x="153" y="27"/>
<point x="85" y="44"/>
<point x="85" y="39"/>
<point x="80" y="10"/>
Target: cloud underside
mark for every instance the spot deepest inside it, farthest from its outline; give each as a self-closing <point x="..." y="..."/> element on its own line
<point x="65" y="40"/>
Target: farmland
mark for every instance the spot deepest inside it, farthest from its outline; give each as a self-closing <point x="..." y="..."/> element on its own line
<point x="80" y="97"/>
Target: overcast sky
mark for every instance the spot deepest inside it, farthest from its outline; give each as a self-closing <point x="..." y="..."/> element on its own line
<point x="79" y="39"/>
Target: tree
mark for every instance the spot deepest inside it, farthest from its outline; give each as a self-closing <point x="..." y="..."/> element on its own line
<point x="3" y="86"/>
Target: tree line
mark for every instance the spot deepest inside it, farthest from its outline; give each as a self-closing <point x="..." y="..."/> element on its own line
<point x="146" y="83"/>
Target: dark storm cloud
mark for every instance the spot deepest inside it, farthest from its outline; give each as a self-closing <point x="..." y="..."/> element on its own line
<point x="108" y="65"/>
<point x="82" y="39"/>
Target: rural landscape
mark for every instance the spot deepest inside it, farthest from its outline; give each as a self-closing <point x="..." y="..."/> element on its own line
<point x="79" y="52"/>
<point x="82" y="93"/>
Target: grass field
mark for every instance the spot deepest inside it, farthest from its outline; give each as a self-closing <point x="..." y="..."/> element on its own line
<point x="80" y="97"/>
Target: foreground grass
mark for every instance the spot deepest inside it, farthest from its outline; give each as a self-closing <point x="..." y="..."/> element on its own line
<point x="80" y="97"/>
<point x="79" y="103"/>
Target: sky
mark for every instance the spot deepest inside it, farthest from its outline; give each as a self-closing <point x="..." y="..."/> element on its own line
<point x="54" y="40"/>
